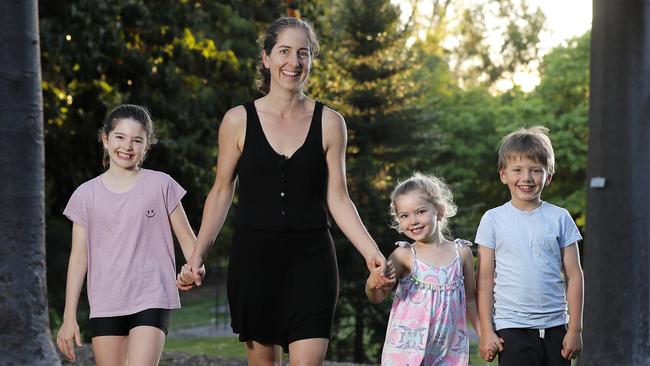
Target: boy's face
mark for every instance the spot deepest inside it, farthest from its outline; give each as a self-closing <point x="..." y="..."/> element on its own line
<point x="525" y="179"/>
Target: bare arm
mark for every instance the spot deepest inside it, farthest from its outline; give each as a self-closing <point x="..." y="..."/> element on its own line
<point x="338" y="200"/>
<point x="470" y="287"/>
<point x="183" y="231"/>
<point x="397" y="265"/>
<point x="489" y="341"/>
<point x="572" y="344"/>
<point x="217" y="204"/>
<point x="77" y="267"/>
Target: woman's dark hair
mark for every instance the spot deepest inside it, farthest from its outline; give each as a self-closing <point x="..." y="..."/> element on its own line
<point x="125" y="111"/>
<point x="270" y="38"/>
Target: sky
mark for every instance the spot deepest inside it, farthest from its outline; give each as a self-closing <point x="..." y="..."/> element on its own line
<point x="565" y="19"/>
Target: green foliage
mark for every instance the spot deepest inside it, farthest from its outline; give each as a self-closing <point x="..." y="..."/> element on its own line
<point x="369" y="77"/>
<point x="472" y="122"/>
<point x="518" y="26"/>
<point x="188" y="62"/>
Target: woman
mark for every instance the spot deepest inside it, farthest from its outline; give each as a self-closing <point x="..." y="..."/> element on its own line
<point x="288" y="153"/>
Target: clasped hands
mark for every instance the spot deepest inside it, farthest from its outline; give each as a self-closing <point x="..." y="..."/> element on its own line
<point x="382" y="277"/>
<point x="189" y="277"/>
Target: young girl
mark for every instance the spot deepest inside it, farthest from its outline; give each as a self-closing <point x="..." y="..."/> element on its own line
<point x="436" y="289"/>
<point x="121" y="237"/>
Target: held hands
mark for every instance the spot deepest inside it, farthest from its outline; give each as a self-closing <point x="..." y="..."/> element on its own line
<point x="190" y="277"/>
<point x="490" y="346"/>
<point x="376" y="259"/>
<point x="382" y="272"/>
<point x="383" y="280"/>
<point x="68" y="332"/>
<point x="572" y="344"/>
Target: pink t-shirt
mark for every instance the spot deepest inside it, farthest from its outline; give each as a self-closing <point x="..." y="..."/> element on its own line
<point x="131" y="264"/>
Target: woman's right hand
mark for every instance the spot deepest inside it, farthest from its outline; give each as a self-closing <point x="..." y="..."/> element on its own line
<point x="67" y="336"/>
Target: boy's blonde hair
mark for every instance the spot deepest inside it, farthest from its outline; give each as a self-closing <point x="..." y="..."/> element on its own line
<point x="532" y="143"/>
<point x="431" y="189"/>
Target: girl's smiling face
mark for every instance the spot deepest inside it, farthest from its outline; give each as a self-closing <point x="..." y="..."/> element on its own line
<point x="126" y="144"/>
<point x="417" y="217"/>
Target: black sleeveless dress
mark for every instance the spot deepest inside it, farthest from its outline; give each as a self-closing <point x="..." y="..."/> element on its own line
<point x="282" y="275"/>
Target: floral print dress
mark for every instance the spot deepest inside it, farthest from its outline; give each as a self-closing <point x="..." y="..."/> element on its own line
<point x="428" y="321"/>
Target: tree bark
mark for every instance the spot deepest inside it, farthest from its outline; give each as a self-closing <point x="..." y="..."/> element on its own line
<point x="617" y="256"/>
<point x="24" y="337"/>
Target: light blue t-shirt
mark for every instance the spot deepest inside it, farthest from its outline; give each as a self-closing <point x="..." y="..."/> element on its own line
<point x="528" y="285"/>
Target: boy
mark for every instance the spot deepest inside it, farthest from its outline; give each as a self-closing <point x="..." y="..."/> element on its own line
<point x="524" y="245"/>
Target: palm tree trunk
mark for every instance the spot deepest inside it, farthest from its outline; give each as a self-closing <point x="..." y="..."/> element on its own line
<point x="24" y="337"/>
<point x="617" y="253"/>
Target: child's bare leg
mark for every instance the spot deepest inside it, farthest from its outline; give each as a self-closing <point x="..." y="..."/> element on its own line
<point x="144" y="345"/>
<point x="109" y="350"/>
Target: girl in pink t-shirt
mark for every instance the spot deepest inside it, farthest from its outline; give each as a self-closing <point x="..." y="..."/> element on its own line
<point x="122" y="243"/>
<point x="435" y="281"/>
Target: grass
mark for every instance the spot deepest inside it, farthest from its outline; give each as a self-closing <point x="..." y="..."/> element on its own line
<point x="232" y="348"/>
<point x="475" y="358"/>
<point x="194" y="312"/>
<point x="229" y="347"/>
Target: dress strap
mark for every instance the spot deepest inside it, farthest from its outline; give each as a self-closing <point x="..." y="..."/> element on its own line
<point x="405" y="244"/>
<point x="458" y="243"/>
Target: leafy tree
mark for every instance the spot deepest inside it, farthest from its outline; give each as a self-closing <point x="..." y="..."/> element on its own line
<point x="366" y="72"/>
<point x="518" y="25"/>
<point x="473" y="121"/>
<point x="564" y="96"/>
<point x="187" y="61"/>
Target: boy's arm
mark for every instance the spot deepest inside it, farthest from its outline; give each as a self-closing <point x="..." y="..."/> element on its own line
<point x="489" y="343"/>
<point x="572" y="344"/>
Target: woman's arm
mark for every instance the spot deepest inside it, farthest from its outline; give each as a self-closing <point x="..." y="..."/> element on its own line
<point x="77" y="266"/>
<point x="338" y="200"/>
<point x="231" y="141"/>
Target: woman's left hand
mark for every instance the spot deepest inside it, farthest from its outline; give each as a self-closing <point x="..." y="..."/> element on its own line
<point x="376" y="259"/>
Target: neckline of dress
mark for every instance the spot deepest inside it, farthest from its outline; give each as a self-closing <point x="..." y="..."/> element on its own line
<point x="268" y="143"/>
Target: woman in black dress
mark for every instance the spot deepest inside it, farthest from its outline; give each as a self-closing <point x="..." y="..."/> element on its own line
<point x="288" y="153"/>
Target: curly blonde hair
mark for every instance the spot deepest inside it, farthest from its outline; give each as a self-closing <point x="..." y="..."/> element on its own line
<point x="432" y="189"/>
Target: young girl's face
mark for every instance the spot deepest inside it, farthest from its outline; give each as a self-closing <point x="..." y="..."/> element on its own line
<point x="417" y="217"/>
<point x="126" y="144"/>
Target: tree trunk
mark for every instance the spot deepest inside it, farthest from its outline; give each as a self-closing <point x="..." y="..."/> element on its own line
<point x="617" y="255"/>
<point x="24" y="337"/>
